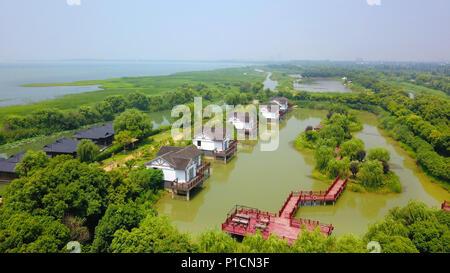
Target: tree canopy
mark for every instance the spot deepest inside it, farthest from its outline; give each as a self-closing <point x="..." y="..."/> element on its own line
<point x="133" y="120"/>
<point x="87" y="151"/>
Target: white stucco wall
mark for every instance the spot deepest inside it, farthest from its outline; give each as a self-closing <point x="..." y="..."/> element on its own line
<point x="209" y="145"/>
<point x="205" y="144"/>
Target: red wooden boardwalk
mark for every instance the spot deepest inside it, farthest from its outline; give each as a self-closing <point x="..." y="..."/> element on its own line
<point x="296" y="199"/>
<point x="446" y="206"/>
<point x="246" y="221"/>
<point x="268" y="223"/>
<point x="243" y="220"/>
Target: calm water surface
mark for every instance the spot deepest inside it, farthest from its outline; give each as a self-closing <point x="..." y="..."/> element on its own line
<point x="268" y="83"/>
<point x="264" y="180"/>
<point x="15" y="74"/>
<point x="320" y="85"/>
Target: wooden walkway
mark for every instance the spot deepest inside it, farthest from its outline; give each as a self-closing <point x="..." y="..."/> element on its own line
<point x="244" y="221"/>
<point x="312" y="198"/>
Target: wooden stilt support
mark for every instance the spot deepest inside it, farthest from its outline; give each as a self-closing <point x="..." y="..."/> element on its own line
<point x="187" y="195"/>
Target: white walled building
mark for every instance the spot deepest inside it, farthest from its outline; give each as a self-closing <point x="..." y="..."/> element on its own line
<point x="282" y="103"/>
<point x="215" y="142"/>
<point x="269" y="111"/>
<point x="181" y="166"/>
<point x="243" y="122"/>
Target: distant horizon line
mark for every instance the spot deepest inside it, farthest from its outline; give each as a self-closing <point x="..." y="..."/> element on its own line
<point x="359" y="60"/>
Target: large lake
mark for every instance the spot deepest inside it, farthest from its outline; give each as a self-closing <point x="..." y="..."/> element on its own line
<point x="264" y="180"/>
<point x="15" y="74"/>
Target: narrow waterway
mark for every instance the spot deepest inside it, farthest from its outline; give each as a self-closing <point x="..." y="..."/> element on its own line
<point x="264" y="179"/>
<point x="269" y="83"/>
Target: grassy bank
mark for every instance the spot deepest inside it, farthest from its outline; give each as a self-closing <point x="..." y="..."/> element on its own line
<point x="228" y="79"/>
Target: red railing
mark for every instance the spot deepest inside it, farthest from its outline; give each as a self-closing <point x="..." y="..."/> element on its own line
<point x="196" y="180"/>
<point x="203" y="167"/>
<point x="232" y="146"/>
<point x="189" y="185"/>
<point x="311" y="223"/>
<point x="285" y="203"/>
<point x="329" y="198"/>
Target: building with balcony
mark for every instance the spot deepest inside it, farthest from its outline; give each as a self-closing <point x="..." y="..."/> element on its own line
<point x="182" y="168"/>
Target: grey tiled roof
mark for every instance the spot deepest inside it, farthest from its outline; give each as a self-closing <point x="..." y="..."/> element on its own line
<point x="97" y="132"/>
<point x="179" y="157"/>
<point x="63" y="146"/>
<point x="8" y="165"/>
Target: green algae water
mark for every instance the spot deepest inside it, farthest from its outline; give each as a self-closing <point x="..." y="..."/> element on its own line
<point x="264" y="180"/>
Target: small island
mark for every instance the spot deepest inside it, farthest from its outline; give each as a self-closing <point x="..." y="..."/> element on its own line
<point x="338" y="153"/>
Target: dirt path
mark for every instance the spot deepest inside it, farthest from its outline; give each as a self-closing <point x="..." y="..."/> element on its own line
<point x="117" y="164"/>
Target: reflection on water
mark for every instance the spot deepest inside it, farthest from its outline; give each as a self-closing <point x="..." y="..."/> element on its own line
<point x="264" y="180"/>
<point x="320" y="85"/>
<point x="160" y="118"/>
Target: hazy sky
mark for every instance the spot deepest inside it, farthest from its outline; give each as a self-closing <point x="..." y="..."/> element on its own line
<point x="401" y="30"/>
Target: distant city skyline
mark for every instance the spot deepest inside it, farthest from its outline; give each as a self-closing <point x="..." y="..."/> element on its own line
<point x="232" y="30"/>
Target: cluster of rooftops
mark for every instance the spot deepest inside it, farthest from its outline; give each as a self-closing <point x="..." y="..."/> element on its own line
<point x="179" y="164"/>
<point x="101" y="135"/>
<point x="183" y="165"/>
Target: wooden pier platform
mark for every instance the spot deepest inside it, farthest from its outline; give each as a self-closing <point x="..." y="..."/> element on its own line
<point x="245" y="221"/>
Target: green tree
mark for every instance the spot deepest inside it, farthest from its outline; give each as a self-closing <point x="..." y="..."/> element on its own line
<point x="212" y="241"/>
<point x="118" y="103"/>
<point x="310" y="135"/>
<point x="313" y="242"/>
<point x="64" y="187"/>
<point x="430" y="236"/>
<point x="2" y="138"/>
<point x="338" y="167"/>
<point x="118" y="216"/>
<point x="123" y="138"/>
<point x="87" y="151"/>
<point x="322" y="155"/>
<point x="354" y="167"/>
<point x="257" y="244"/>
<point x="21" y="232"/>
<point x="351" y="148"/>
<point x="105" y="110"/>
<point x="360" y="155"/>
<point x="139" y="101"/>
<point x="154" y="235"/>
<point x="147" y="179"/>
<point x="412" y="228"/>
<point x="379" y="153"/>
<point x="31" y="161"/>
<point x="371" y="174"/>
<point x="333" y="131"/>
<point x="138" y="123"/>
